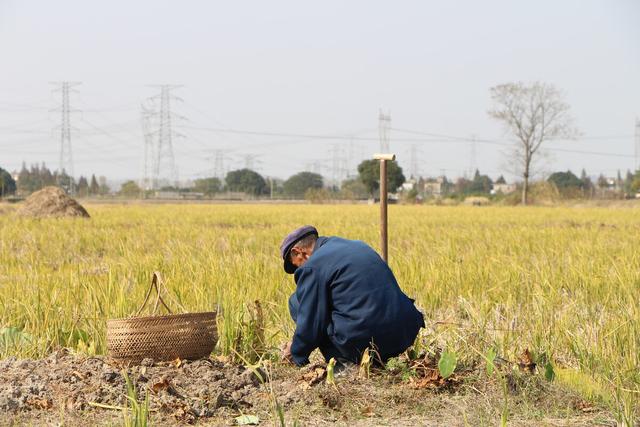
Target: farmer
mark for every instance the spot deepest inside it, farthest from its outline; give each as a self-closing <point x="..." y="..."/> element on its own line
<point x="346" y="301"/>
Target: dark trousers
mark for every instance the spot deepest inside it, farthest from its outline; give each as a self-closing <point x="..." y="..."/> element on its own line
<point x="329" y="350"/>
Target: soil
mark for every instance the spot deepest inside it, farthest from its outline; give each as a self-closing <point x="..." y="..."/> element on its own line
<point x="69" y="389"/>
<point x="51" y="202"/>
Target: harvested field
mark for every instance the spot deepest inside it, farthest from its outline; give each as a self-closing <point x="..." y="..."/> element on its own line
<point x="561" y="282"/>
<point x="51" y="202"/>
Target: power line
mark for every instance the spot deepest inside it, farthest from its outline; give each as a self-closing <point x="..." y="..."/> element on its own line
<point x="439" y="139"/>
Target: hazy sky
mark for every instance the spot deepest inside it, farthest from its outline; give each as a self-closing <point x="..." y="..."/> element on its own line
<point x="321" y="68"/>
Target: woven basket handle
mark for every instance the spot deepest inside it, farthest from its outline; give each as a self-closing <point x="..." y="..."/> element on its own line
<point x="156" y="282"/>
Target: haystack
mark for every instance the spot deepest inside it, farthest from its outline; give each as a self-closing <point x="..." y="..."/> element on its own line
<point x="51" y="202"/>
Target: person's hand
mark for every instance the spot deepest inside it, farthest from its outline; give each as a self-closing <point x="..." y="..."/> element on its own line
<point x="285" y="352"/>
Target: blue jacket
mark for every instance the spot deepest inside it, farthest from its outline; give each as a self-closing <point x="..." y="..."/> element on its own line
<point x="346" y="294"/>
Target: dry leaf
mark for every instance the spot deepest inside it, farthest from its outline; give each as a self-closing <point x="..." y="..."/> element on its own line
<point x="526" y="362"/>
<point x="40" y="403"/>
<point x="431" y="379"/>
<point x="585" y="406"/>
<point x="163" y="384"/>
<point x="176" y="363"/>
<point x="222" y="359"/>
<point x="367" y="411"/>
<point x="313" y="375"/>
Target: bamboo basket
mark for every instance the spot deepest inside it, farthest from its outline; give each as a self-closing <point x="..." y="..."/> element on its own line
<point x="161" y="338"/>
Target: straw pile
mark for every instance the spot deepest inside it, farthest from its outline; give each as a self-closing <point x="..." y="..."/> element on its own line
<point x="51" y="202"/>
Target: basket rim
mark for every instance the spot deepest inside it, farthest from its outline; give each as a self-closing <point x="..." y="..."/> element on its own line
<point x="164" y="316"/>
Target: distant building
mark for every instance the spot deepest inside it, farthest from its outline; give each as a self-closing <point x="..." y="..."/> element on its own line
<point x="503" y="188"/>
<point x="436" y="186"/>
<point x="409" y="184"/>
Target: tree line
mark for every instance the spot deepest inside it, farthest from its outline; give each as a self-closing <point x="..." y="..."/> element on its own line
<point x="38" y="176"/>
<point x="301" y="185"/>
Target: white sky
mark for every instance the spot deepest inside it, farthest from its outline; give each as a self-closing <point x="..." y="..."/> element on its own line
<point x="313" y="68"/>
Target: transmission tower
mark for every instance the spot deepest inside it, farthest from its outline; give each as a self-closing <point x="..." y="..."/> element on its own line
<point x="414" y="161"/>
<point x="147" y="115"/>
<point x="350" y="156"/>
<point x="338" y="164"/>
<point x="315" y="167"/>
<point x="472" y="156"/>
<point x="218" y="164"/>
<point x="164" y="168"/>
<point x="384" y="130"/>
<point x="249" y="161"/>
<point x="65" y="164"/>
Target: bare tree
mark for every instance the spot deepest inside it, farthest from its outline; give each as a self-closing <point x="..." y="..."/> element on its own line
<point x="534" y="114"/>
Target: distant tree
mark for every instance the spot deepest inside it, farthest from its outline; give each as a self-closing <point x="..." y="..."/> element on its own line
<point x="130" y="189"/>
<point x="587" y="184"/>
<point x="566" y="182"/>
<point x="25" y="185"/>
<point x="47" y="177"/>
<point x="298" y="184"/>
<point x="246" y="181"/>
<point x="369" y="171"/>
<point x="634" y="187"/>
<point x="481" y="184"/>
<point x="66" y="182"/>
<point x="35" y="177"/>
<point x="534" y="114"/>
<point x="619" y="181"/>
<point x="501" y="180"/>
<point x="7" y="183"/>
<point x="353" y="189"/>
<point x="104" y="187"/>
<point x="208" y="186"/>
<point x="94" y="188"/>
<point x="463" y="186"/>
<point x="83" y="187"/>
<point x="626" y="184"/>
<point x="602" y="182"/>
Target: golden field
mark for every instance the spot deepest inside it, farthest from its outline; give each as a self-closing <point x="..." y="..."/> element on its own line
<point x="562" y="282"/>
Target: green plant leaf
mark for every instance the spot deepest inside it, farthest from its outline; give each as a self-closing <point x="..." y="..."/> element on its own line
<point x="549" y="373"/>
<point x="447" y="363"/>
<point x="12" y="336"/>
<point x="247" y="420"/>
<point x="491" y="357"/>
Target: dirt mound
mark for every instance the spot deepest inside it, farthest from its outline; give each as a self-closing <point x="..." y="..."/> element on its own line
<point x="184" y="391"/>
<point x="86" y="390"/>
<point x="51" y="202"/>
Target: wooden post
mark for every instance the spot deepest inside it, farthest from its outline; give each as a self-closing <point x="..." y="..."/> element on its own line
<point x="383" y="203"/>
